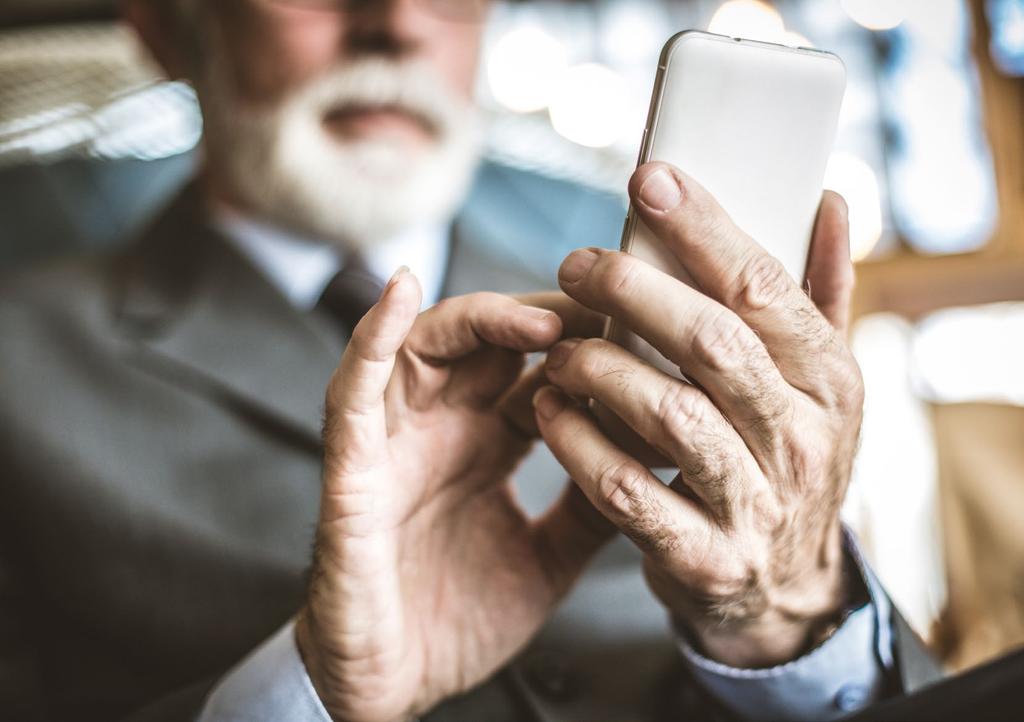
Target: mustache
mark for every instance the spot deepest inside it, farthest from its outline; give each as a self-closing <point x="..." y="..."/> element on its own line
<point x="376" y="84"/>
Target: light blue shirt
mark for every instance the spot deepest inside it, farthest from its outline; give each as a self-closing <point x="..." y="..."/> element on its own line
<point x="300" y="268"/>
<point x="846" y="672"/>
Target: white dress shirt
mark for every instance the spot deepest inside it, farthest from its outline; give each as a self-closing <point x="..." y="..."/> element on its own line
<point x="302" y="267"/>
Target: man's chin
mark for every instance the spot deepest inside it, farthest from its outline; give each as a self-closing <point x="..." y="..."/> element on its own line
<point x="381" y="159"/>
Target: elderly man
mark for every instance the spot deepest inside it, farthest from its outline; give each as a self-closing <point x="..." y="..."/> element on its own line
<point x="160" y="426"/>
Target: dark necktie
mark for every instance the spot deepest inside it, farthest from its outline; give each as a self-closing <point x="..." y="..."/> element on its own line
<point x="350" y="294"/>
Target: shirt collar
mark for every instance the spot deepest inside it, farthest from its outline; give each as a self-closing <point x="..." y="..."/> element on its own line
<point x="301" y="267"/>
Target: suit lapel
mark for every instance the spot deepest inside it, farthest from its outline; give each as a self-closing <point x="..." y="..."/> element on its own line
<point x="198" y="313"/>
<point x="202" y="316"/>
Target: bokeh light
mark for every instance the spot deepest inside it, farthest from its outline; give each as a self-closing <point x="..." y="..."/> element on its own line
<point x="795" y="40"/>
<point x="748" y="19"/>
<point x="853" y="178"/>
<point x="877" y="14"/>
<point x="524" y="67"/>
<point x="590" y="105"/>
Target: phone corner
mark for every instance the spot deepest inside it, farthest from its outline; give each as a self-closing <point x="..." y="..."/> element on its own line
<point x="677" y="39"/>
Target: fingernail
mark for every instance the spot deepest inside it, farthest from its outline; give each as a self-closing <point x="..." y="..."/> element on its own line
<point x="576" y="265"/>
<point x="549" y="402"/>
<point x="540" y="314"/>
<point x="660" y="192"/>
<point x="559" y="355"/>
<point x="401" y="271"/>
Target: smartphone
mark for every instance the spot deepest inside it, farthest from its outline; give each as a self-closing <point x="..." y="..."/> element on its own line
<point x="754" y="123"/>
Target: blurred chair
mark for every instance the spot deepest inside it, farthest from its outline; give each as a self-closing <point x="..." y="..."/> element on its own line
<point x="91" y="141"/>
<point x="981" y="480"/>
<point x="893" y="503"/>
<point x="81" y="205"/>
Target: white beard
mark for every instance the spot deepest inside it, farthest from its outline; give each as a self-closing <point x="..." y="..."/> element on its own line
<point x="285" y="166"/>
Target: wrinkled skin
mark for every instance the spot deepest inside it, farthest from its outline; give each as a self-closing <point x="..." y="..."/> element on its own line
<point x="428" y="576"/>
<point x="744" y="547"/>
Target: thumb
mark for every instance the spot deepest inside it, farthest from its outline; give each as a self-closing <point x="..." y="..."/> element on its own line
<point x="829" y="276"/>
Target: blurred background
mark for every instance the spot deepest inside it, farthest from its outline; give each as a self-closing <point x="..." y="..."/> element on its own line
<point x="930" y="157"/>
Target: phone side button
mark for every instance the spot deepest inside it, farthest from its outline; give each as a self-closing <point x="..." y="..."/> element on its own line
<point x="643" y="148"/>
<point x="626" y="229"/>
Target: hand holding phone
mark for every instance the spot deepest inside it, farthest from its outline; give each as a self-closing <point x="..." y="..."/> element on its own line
<point x="754" y="124"/>
<point x="744" y="545"/>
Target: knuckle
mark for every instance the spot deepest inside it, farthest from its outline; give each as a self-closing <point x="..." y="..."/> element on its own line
<point x="848" y="399"/>
<point x="712" y="472"/>
<point x="587" y="363"/>
<point x="587" y="360"/>
<point x="808" y="460"/>
<point x="616" y="275"/>
<point x="856" y="394"/>
<point x="623" y="486"/>
<point x="590" y="364"/>
<point x="762" y="282"/>
<point x="447" y="304"/>
<point x="485" y="299"/>
<point x="852" y="391"/>
<point x="722" y="342"/>
<point x="470" y="303"/>
<point x="844" y="385"/>
<point x="680" y="410"/>
<point x="626" y="489"/>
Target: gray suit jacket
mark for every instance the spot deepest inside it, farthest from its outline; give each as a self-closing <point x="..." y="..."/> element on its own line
<point x="160" y="418"/>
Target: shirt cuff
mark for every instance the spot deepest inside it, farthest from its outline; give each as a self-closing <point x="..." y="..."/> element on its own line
<point x="848" y="671"/>
<point x="270" y="685"/>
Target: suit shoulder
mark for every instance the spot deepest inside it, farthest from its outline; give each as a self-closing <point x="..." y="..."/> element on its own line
<point x="69" y="291"/>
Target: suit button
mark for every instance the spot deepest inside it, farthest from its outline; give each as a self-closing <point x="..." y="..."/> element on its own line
<point x="851" y="697"/>
<point x="551" y="677"/>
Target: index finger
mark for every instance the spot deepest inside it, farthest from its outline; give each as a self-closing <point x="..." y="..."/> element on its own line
<point x="479" y="340"/>
<point x="658" y="519"/>
<point x="355" y="427"/>
<point x="578" y="321"/>
<point x="458" y="326"/>
<point x="734" y="269"/>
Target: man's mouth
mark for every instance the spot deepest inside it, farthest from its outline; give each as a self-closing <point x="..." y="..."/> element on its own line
<point x="358" y="122"/>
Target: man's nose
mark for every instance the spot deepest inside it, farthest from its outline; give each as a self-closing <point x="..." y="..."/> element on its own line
<point x="382" y="27"/>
